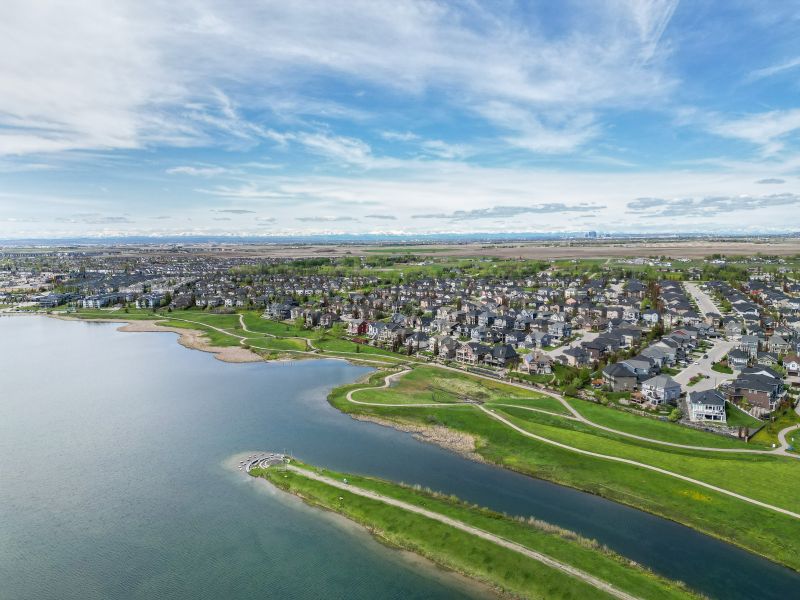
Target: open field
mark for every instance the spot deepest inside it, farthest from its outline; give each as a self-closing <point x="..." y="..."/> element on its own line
<point x="496" y="557"/>
<point x="691" y="248"/>
<point x="766" y="478"/>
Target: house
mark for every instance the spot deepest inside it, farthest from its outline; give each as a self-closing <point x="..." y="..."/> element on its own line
<point x="631" y="313"/>
<point x="619" y="378"/>
<point x="536" y="364"/>
<point x="559" y="330"/>
<point x="538" y="339"/>
<point x="738" y="359"/>
<point x="650" y="317"/>
<point x="642" y="366"/>
<point x="778" y="345"/>
<point x="661" y="389"/>
<point x="375" y="328"/>
<point x="418" y="341"/>
<point x="749" y="344"/>
<point x="151" y="300"/>
<point x="732" y="326"/>
<point x="706" y="406"/>
<point x="471" y="353"/>
<point x="769" y="359"/>
<point x="447" y="348"/>
<point x="575" y="357"/>
<point x="792" y="364"/>
<point x="502" y="355"/>
<point x="756" y="390"/>
<point x="357" y="327"/>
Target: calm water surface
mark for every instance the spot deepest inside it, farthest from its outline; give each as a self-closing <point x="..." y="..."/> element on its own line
<point x="115" y="482"/>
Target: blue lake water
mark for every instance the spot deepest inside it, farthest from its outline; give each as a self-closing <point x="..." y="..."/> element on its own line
<point x="115" y="482"/>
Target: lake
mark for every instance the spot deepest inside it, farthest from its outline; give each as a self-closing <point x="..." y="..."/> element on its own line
<point x="116" y="482"/>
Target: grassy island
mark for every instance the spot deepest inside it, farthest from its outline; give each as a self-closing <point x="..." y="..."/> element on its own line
<point x="520" y="557"/>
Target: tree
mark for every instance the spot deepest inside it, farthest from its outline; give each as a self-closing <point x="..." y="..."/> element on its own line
<point x="675" y="415"/>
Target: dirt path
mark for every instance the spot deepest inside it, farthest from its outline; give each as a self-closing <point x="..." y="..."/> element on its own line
<point x="595" y="582"/>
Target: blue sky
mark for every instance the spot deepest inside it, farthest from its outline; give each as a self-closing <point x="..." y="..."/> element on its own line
<point x="279" y="118"/>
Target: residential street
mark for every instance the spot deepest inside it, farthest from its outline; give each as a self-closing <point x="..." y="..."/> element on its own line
<point x="715" y="354"/>
<point x="704" y="301"/>
<point x="583" y="336"/>
<point x="720" y="349"/>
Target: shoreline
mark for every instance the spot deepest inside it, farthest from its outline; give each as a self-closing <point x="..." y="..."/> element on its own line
<point x="439" y="561"/>
<point x="462" y="444"/>
<point x="192" y="339"/>
<point x="350" y="527"/>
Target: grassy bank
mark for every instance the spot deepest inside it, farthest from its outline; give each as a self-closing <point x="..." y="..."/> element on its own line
<point x="481" y="559"/>
<point x="770" y="479"/>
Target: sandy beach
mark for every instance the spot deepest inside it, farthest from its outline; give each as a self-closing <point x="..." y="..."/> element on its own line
<point x="188" y="338"/>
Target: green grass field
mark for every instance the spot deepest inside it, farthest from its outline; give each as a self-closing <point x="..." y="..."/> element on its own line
<point x="738" y="418"/>
<point x="430" y="384"/>
<point x="461" y="551"/>
<point x="655" y="429"/>
<point x="767" y="478"/>
<point x="783" y="418"/>
<point x="215" y="338"/>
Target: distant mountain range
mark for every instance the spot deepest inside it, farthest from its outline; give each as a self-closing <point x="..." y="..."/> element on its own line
<point x="400" y="239"/>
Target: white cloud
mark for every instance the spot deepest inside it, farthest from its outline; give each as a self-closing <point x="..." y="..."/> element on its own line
<point x="340" y="148"/>
<point x="773" y="70"/>
<point x="102" y="75"/>
<point x="198" y="171"/>
<point x="767" y="130"/>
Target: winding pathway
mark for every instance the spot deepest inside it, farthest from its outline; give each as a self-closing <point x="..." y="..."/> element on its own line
<point x="595" y="582"/>
<point x="389" y="379"/>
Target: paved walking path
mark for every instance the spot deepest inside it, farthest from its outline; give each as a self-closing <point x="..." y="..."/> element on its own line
<point x="316" y="353"/>
<point x="387" y="381"/>
<point x="595" y="582"/>
<point x="638" y="464"/>
<point x="785" y="431"/>
<point x="579" y="417"/>
<point x="782" y="450"/>
<point x="394" y="376"/>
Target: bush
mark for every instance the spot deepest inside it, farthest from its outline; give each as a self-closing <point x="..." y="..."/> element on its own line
<point x="675" y="415"/>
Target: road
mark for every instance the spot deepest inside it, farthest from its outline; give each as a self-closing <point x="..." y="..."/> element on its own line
<point x="715" y="354"/>
<point x="585" y="336"/>
<point x="720" y="349"/>
<point x="595" y="582"/>
<point x="704" y="301"/>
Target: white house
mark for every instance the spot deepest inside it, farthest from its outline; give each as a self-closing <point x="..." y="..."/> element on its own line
<point x="706" y="406"/>
<point x="661" y="389"/>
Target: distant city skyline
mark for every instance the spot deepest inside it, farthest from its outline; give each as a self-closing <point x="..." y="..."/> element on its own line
<point x="206" y="118"/>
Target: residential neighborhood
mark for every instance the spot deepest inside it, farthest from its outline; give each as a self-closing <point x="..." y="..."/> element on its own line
<point x="670" y="345"/>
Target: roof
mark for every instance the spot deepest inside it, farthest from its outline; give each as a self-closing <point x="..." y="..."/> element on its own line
<point x="662" y="381"/>
<point x="712" y="397"/>
<point x="618" y="370"/>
